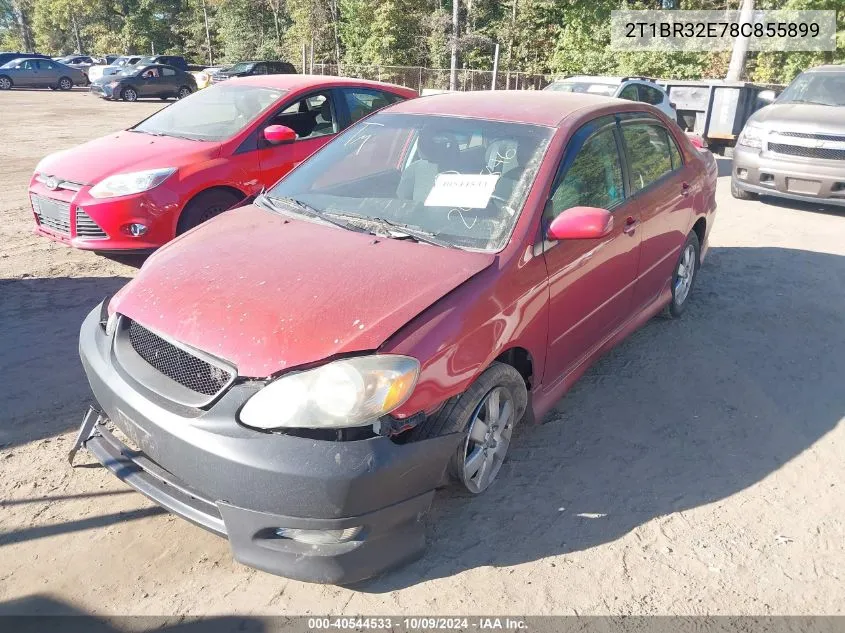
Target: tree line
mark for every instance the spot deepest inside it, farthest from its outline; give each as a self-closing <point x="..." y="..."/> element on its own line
<point x="534" y="36"/>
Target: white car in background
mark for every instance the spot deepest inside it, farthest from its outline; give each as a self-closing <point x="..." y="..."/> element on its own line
<point x="96" y="72"/>
<point x="630" y="88"/>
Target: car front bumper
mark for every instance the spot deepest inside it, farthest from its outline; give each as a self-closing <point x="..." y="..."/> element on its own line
<point x="245" y="484"/>
<point x="791" y="177"/>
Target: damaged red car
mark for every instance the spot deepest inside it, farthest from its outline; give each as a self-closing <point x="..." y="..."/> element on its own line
<point x="375" y="325"/>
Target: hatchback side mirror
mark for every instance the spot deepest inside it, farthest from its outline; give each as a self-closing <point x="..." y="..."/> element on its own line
<point x="581" y="223"/>
<point x="279" y="134"/>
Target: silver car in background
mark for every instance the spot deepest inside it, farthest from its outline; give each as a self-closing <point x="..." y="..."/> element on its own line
<point x="39" y="72"/>
<point x="640" y="89"/>
<point x="795" y="147"/>
<point x="118" y="65"/>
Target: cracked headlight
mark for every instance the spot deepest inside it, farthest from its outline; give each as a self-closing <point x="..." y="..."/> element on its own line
<point x="344" y="393"/>
<point x="134" y="182"/>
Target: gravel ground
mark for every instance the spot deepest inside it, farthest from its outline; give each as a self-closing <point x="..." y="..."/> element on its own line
<point x="696" y="469"/>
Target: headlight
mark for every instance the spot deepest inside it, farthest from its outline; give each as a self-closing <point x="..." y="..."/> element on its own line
<point x="751" y="136"/>
<point x="135" y="182"/>
<point x="350" y="392"/>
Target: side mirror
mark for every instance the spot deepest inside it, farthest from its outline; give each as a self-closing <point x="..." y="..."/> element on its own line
<point x="765" y="97"/>
<point x="581" y="223"/>
<point x="279" y="134"/>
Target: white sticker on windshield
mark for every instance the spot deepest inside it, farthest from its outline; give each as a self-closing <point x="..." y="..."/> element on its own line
<point x="467" y="191"/>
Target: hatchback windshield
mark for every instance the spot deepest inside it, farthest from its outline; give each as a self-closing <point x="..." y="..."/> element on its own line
<point x="817" y="87"/>
<point x="607" y="90"/>
<point x="457" y="181"/>
<point x="213" y="114"/>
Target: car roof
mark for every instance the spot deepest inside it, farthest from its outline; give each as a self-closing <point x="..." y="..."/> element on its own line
<point x="297" y="82"/>
<point x="514" y="106"/>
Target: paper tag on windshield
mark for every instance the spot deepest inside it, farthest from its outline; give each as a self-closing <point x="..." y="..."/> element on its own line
<point x="465" y="191"/>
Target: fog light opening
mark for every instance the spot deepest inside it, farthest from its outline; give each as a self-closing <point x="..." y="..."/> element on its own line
<point x="135" y="229"/>
<point x="319" y="537"/>
<point x="741" y="173"/>
<point x="766" y="179"/>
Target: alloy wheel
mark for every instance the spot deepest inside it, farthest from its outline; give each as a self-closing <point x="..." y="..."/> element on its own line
<point x="184" y="92"/>
<point x="5" y="83"/>
<point x="130" y="95"/>
<point x="488" y="439"/>
<point x="65" y="84"/>
<point x="684" y="274"/>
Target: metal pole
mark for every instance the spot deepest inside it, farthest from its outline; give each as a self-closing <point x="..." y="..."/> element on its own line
<point x="420" y="89"/>
<point x="304" y="59"/>
<point x="207" y="34"/>
<point x="311" y="69"/>
<point x="453" y="73"/>
<point x="495" y="66"/>
<point x="737" y="64"/>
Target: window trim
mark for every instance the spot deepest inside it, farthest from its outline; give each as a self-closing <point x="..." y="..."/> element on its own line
<point x="632" y="118"/>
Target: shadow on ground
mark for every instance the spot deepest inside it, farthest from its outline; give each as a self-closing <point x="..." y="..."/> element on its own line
<point x="682" y="414"/>
<point x="44" y="387"/>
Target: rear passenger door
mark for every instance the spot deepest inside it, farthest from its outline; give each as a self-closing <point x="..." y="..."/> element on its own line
<point x="660" y="187"/>
<point x="48" y="72"/>
<point x="169" y="82"/>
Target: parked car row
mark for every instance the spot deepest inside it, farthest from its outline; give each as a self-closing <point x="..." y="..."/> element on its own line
<point x="40" y="72"/>
<point x="403" y="282"/>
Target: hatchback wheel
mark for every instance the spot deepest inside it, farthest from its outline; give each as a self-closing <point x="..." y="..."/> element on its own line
<point x="5" y="83"/>
<point x="184" y="91"/>
<point x="487" y="412"/>
<point x="65" y="83"/>
<point x="129" y="94"/>
<point x="683" y="278"/>
<point x="205" y="206"/>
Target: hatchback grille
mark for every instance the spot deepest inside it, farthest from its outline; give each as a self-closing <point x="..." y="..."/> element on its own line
<point x="54" y="214"/>
<point x="180" y="366"/>
<point x="808" y="152"/>
<point x="87" y="228"/>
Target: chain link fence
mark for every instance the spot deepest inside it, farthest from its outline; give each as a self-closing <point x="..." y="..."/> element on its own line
<point x="420" y="78"/>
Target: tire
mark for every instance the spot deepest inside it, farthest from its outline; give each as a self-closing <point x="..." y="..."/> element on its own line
<point x="205" y="206"/>
<point x="5" y="83"/>
<point x="681" y="289"/>
<point x="741" y="194"/>
<point x="129" y="94"/>
<point x="184" y="91"/>
<point x="462" y="413"/>
<point x="52" y="88"/>
<point x="65" y="83"/>
<point x="164" y="98"/>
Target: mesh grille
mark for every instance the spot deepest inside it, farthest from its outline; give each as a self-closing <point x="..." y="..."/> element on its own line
<point x="808" y="152"/>
<point x="819" y="137"/>
<point x="54" y="214"/>
<point x="178" y="365"/>
<point x="86" y="227"/>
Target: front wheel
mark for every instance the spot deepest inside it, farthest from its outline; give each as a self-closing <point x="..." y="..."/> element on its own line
<point x="65" y="83"/>
<point x="487" y="413"/>
<point x="683" y="278"/>
<point x="5" y="83"/>
<point x="184" y="91"/>
<point x="205" y="206"/>
<point x="741" y="194"/>
<point x="129" y="94"/>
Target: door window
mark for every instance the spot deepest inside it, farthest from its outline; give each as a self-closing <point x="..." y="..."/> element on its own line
<point x="168" y="72"/>
<point x="650" y="94"/>
<point x="45" y="65"/>
<point x="151" y="73"/>
<point x="362" y="102"/>
<point x="310" y="117"/>
<point x="674" y="152"/>
<point x="29" y="65"/>
<point x="647" y="148"/>
<point x="594" y="179"/>
<point x="629" y="93"/>
<point x="260" y="69"/>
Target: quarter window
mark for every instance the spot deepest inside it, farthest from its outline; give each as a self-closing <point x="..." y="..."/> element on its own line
<point x="648" y="154"/>
<point x="677" y="161"/>
<point x="594" y="179"/>
<point x="651" y="95"/>
<point x="629" y="93"/>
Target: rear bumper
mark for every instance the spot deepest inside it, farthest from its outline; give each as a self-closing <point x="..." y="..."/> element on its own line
<point x="808" y="180"/>
<point x="244" y="484"/>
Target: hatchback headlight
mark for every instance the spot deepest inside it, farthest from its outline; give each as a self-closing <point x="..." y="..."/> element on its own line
<point x="345" y="393"/>
<point x="751" y="136"/>
<point x="134" y="182"/>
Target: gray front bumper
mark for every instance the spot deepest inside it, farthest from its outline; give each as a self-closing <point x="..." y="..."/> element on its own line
<point x="204" y="466"/>
<point x="772" y="174"/>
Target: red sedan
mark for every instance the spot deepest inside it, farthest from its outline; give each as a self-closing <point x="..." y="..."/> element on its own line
<point x="378" y="322"/>
<point x="137" y="189"/>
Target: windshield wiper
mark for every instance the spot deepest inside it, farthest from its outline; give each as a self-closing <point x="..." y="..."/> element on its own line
<point x="304" y="209"/>
<point x="399" y="230"/>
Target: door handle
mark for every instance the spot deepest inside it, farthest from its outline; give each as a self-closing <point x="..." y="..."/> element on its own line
<point x="685" y="188"/>
<point x="631" y="224"/>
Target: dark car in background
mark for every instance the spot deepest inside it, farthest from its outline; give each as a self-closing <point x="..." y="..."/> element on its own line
<point x="40" y="72"/>
<point x="260" y="67"/>
<point x="137" y="82"/>
<point x="6" y="56"/>
<point x="82" y="62"/>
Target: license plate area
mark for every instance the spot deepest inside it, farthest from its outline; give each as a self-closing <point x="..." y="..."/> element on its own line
<point x="799" y="185"/>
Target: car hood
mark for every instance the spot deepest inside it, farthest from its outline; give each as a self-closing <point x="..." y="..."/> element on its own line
<point x="123" y="152"/>
<point x="801" y="117"/>
<point x="267" y="292"/>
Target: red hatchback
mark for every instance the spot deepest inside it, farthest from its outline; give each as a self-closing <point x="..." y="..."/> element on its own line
<point x="137" y="189"/>
<point x="377" y="323"/>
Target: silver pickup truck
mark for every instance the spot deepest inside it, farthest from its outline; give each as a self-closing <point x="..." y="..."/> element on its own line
<point x="795" y="147"/>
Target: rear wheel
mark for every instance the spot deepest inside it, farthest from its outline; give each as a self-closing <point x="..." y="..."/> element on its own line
<point x="65" y="83"/>
<point x="129" y="94"/>
<point x="184" y="91"/>
<point x="683" y="278"/>
<point x="5" y="83"/>
<point x="487" y="413"/>
<point x="205" y="206"/>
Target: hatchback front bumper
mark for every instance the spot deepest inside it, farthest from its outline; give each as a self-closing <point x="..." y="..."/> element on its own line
<point x="246" y="485"/>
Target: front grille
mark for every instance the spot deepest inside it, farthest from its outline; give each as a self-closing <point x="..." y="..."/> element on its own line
<point x="808" y="152"/>
<point x="54" y="214"/>
<point x="57" y="183"/>
<point x="87" y="228"/>
<point x="180" y="366"/>
<point x="818" y="137"/>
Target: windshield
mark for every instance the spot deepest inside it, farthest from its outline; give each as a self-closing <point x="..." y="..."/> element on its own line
<point x="241" y="67"/>
<point x="607" y="90"/>
<point x="817" y="87"/>
<point x="11" y="64"/>
<point x="461" y="181"/>
<point x="213" y="114"/>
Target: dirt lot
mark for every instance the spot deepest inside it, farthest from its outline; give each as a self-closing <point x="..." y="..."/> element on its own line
<point x="696" y="469"/>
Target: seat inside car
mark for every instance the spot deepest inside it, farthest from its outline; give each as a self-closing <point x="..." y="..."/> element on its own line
<point x="437" y="153"/>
